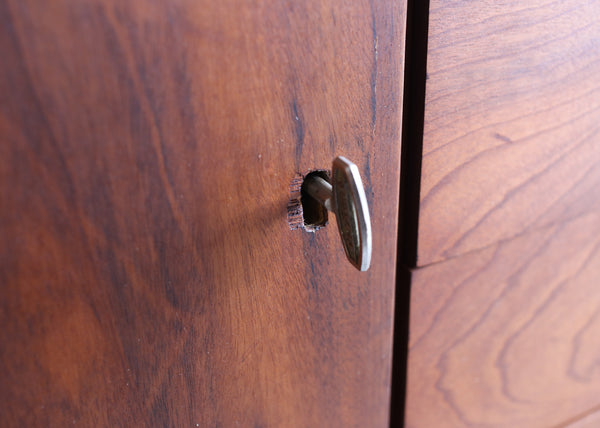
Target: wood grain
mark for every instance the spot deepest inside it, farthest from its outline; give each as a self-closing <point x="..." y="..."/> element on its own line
<point x="508" y="336"/>
<point x="510" y="140"/>
<point x="148" y="274"/>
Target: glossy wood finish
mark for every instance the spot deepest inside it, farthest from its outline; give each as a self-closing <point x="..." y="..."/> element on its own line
<point x="510" y="139"/>
<point x="508" y="336"/>
<point x="148" y="275"/>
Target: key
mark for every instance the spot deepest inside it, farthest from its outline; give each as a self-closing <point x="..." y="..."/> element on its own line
<point x="345" y="197"/>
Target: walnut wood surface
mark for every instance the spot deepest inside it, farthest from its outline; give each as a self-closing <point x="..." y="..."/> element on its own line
<point x="508" y="336"/>
<point x="148" y="275"/>
<point x="512" y="112"/>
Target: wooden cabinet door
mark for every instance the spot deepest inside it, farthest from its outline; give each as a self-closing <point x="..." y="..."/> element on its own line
<point x="505" y="291"/>
<point x="508" y="336"/>
<point x="510" y="139"/>
<point x="148" y="273"/>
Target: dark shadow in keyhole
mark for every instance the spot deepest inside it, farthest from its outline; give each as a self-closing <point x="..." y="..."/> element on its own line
<point x="315" y="214"/>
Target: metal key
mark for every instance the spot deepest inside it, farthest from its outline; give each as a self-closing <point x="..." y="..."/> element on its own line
<point x="346" y="198"/>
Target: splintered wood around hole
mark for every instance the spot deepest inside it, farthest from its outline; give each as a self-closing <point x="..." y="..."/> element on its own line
<point x="303" y="211"/>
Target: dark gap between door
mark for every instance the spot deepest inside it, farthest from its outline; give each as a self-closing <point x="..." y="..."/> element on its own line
<point x="415" y="77"/>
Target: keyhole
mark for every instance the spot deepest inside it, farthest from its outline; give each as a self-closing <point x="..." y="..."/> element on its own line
<point x="315" y="214"/>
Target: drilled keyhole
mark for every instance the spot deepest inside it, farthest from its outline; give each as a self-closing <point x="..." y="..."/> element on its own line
<point x="315" y="214"/>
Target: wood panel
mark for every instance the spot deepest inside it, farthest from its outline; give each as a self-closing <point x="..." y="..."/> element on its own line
<point x="510" y="140"/>
<point x="508" y="336"/>
<point x="148" y="273"/>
